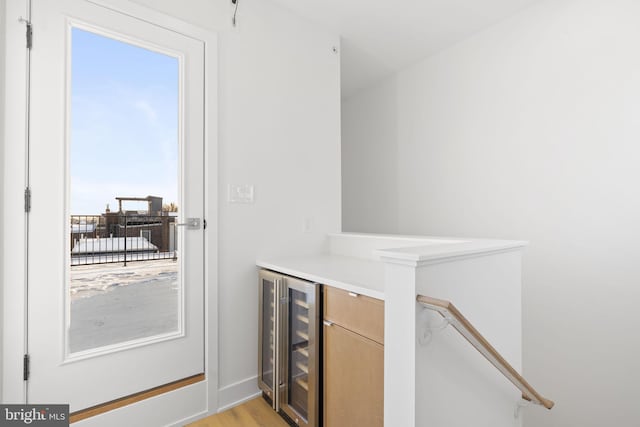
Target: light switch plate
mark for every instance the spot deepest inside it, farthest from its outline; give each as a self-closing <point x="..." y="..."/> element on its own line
<point x="308" y="224"/>
<point x="240" y="193"/>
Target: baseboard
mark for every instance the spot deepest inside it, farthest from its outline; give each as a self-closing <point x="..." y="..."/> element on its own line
<point x="237" y="393"/>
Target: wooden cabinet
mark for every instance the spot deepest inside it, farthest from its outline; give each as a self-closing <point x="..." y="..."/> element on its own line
<point x="353" y="374"/>
<point x="358" y="313"/>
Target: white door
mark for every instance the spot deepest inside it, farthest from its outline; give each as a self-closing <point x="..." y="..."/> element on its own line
<point x="115" y="295"/>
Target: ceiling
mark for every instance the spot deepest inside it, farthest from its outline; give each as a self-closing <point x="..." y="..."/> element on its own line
<point x="380" y="37"/>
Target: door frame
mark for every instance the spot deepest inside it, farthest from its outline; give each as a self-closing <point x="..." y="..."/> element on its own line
<point x="14" y="219"/>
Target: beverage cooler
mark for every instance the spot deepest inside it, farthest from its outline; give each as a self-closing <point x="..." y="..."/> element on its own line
<point x="289" y="346"/>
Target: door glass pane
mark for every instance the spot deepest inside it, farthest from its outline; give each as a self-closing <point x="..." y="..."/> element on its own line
<point x="268" y="332"/>
<point x="299" y="352"/>
<point x="124" y="193"/>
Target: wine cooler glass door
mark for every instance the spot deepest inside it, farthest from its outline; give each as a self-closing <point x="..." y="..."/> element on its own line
<point x="268" y="338"/>
<point x="300" y="353"/>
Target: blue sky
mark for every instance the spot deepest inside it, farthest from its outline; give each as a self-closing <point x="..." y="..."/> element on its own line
<point x="124" y="124"/>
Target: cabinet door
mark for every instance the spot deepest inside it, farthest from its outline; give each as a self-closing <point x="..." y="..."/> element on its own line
<point x="353" y="379"/>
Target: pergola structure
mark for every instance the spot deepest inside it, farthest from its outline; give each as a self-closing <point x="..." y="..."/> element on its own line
<point x="152" y="202"/>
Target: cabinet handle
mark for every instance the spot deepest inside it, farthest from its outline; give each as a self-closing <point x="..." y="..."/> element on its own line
<point x="353" y="294"/>
<point x="327" y="323"/>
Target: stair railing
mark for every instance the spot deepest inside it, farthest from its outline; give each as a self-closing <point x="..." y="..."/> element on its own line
<point x="471" y="334"/>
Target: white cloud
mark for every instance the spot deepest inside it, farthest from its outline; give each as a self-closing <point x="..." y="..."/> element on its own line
<point x="144" y="107"/>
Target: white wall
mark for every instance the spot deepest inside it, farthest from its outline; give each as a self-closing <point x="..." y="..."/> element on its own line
<point x="279" y="129"/>
<point x="209" y="14"/>
<point x="369" y="175"/>
<point x="530" y="130"/>
<point x="2" y="176"/>
<point x="455" y="385"/>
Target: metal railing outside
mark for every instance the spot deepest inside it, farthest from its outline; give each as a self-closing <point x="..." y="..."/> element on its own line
<point x="121" y="238"/>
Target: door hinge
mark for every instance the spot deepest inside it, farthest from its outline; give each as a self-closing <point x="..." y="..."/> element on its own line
<point x="204" y="224"/>
<point x="25" y="368"/>
<point x="29" y="35"/>
<point x="27" y="199"/>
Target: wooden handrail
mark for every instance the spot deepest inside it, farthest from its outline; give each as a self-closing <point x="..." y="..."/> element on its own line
<point x="471" y="334"/>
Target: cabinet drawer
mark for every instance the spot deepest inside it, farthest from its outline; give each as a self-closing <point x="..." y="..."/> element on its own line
<point x="358" y="313"/>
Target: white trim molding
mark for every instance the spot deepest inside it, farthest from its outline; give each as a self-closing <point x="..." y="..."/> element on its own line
<point x="239" y="392"/>
<point x="13" y="215"/>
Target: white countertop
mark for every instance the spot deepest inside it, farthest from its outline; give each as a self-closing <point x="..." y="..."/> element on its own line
<point x="362" y="276"/>
<point x="355" y="261"/>
<point x="447" y="251"/>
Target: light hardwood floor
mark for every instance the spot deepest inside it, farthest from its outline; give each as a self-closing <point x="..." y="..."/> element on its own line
<point x="254" y="413"/>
